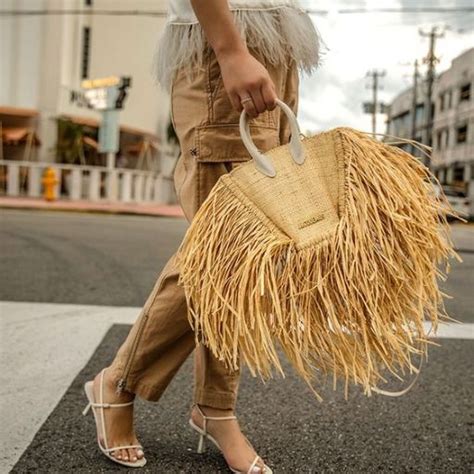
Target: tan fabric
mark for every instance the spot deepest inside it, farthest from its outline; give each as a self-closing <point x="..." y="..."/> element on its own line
<point x="207" y="128"/>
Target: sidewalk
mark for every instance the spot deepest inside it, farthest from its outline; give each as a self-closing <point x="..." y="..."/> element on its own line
<point x="145" y="209"/>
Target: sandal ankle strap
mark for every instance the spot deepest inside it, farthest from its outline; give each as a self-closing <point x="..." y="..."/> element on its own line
<point x="217" y="418"/>
<point x="111" y="405"/>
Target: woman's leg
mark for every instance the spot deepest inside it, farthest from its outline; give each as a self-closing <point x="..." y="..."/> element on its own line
<point x="217" y="141"/>
<point x="161" y="339"/>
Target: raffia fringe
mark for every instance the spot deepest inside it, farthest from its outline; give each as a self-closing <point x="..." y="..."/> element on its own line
<point x="352" y="306"/>
<point x="278" y="34"/>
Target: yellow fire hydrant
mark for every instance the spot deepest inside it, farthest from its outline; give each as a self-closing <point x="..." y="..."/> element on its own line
<point x="49" y="182"/>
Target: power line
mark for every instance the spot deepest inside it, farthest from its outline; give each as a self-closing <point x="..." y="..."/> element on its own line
<point x="88" y="12"/>
<point x="345" y="11"/>
<point x="163" y="13"/>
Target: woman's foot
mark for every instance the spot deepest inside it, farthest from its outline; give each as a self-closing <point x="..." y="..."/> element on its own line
<point x="119" y="421"/>
<point x="237" y="451"/>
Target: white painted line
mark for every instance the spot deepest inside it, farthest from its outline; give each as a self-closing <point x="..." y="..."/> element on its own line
<point x="44" y="346"/>
<point x="453" y="331"/>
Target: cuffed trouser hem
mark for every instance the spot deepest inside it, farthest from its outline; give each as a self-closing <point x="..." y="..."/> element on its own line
<point x="150" y="393"/>
<point x="219" y="400"/>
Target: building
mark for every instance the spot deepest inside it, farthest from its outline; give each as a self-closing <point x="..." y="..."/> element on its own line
<point x="452" y="137"/>
<point x="400" y="118"/>
<point x="453" y="126"/>
<point x="44" y="58"/>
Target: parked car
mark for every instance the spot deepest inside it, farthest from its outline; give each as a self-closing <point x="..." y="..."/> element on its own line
<point x="457" y="198"/>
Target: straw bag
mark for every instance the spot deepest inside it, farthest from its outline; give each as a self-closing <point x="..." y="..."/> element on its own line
<point x="327" y="246"/>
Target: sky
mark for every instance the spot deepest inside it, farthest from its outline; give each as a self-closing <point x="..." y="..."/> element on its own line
<point x="357" y="43"/>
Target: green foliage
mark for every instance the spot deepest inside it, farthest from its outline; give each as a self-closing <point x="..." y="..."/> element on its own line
<point x="69" y="147"/>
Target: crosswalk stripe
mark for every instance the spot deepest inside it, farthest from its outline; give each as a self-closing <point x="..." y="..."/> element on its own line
<point x="45" y="345"/>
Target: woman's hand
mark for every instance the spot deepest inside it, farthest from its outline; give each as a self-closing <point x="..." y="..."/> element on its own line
<point x="247" y="83"/>
<point x="246" y="80"/>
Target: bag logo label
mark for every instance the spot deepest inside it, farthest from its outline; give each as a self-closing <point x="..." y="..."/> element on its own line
<point x="312" y="220"/>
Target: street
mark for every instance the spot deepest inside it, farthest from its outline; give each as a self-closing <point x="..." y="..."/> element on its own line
<point x="71" y="285"/>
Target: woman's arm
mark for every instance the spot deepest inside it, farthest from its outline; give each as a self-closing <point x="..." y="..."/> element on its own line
<point x="243" y="76"/>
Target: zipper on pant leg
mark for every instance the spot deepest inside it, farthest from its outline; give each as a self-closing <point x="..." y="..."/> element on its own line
<point x="122" y="383"/>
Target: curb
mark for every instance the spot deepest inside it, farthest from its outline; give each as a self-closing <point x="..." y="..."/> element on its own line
<point x="96" y="210"/>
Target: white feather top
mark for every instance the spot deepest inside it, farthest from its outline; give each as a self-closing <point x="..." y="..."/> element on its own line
<point x="279" y="29"/>
<point x="181" y="11"/>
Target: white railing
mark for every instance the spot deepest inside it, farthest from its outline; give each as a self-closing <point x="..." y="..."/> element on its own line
<point x="77" y="182"/>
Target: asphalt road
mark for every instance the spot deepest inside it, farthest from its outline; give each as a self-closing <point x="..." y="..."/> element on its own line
<point x="114" y="260"/>
<point x="103" y="259"/>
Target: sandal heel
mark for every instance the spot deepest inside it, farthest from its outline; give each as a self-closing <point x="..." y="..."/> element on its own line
<point x="203" y="435"/>
<point x="86" y="409"/>
<point x="201" y="444"/>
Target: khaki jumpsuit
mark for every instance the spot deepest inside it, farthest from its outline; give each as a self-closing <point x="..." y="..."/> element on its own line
<point x="208" y="132"/>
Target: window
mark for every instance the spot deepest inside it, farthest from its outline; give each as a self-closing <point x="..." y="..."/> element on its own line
<point x="86" y="44"/>
<point x="442" y="175"/>
<point x="462" y="134"/>
<point x="441" y="102"/>
<point x="450" y="99"/>
<point x="442" y="139"/>
<point x="420" y="111"/>
<point x="458" y="174"/>
<point x="465" y="92"/>
<point x="445" y="100"/>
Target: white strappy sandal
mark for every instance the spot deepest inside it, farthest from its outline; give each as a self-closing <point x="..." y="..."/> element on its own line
<point x="98" y="410"/>
<point x="203" y="434"/>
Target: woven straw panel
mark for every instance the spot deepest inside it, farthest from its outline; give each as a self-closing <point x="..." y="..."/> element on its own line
<point x="303" y="201"/>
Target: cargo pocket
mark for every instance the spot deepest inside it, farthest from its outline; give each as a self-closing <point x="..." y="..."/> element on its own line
<point x="222" y="142"/>
<point x="220" y="108"/>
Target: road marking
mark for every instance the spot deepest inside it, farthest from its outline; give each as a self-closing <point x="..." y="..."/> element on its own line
<point x="45" y="346"/>
<point x="453" y="331"/>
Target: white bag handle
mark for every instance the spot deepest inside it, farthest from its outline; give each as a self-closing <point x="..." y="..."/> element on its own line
<point x="262" y="162"/>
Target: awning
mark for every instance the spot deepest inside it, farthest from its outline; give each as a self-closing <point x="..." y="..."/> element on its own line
<point x="19" y="135"/>
<point x="86" y="121"/>
<point x="18" y="112"/>
<point x="94" y="123"/>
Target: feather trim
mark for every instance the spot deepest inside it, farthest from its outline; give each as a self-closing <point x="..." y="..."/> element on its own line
<point x="277" y="34"/>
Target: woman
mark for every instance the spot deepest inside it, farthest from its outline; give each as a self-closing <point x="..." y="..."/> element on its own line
<point x="216" y="59"/>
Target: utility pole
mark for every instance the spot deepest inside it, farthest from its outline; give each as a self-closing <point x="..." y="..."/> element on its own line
<point x="374" y="107"/>
<point x="431" y="60"/>
<point x="416" y="75"/>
